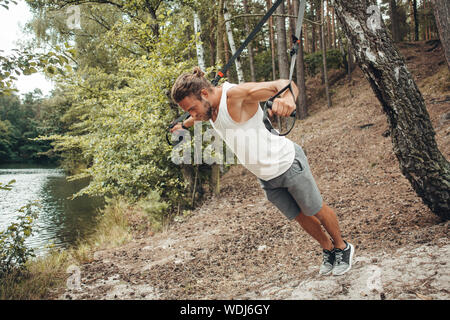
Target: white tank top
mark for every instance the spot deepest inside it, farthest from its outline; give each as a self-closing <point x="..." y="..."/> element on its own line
<point x="264" y="154"/>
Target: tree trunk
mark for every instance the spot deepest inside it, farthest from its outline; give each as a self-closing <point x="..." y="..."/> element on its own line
<point x="215" y="178"/>
<point x="220" y="25"/>
<point x="416" y="21"/>
<point x="411" y="130"/>
<point x="272" y="41"/>
<point x="198" y="43"/>
<point x="427" y="35"/>
<point x="333" y="18"/>
<point x="226" y="51"/>
<point x="215" y="169"/>
<point x="250" y="45"/>
<point x="324" y="55"/>
<point x="442" y="16"/>
<point x="305" y="33"/>
<point x="394" y="20"/>
<point x="349" y="62"/>
<point x="283" y="64"/>
<point x="313" y="39"/>
<point x="329" y="38"/>
<point x="237" y="62"/>
<point x="302" y="108"/>
<point x="212" y="41"/>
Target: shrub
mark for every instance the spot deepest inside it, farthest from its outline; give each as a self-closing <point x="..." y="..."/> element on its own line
<point x="313" y="61"/>
<point x="13" y="251"/>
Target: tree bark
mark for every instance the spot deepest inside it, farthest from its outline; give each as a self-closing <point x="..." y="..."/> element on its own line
<point x="250" y="45"/>
<point x="411" y="130"/>
<point x="272" y="41"/>
<point x="198" y="43"/>
<point x="215" y="178"/>
<point x="416" y="21"/>
<point x="305" y="33"/>
<point x="442" y="16"/>
<point x="212" y="41"/>
<point x="324" y="55"/>
<point x="349" y="62"/>
<point x="220" y="27"/>
<point x="329" y="38"/>
<point x="302" y="107"/>
<point x="283" y="64"/>
<point x="394" y="20"/>
<point x="237" y="62"/>
<point x="333" y="18"/>
<point x="313" y="38"/>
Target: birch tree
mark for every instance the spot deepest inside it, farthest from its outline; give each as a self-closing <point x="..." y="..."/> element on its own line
<point x="198" y="42"/>
<point x="237" y="62"/>
<point x="412" y="133"/>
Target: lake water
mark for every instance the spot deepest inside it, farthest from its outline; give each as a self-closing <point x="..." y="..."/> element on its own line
<point x="61" y="221"/>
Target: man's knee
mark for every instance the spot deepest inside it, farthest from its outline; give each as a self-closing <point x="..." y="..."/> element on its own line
<point x="323" y="212"/>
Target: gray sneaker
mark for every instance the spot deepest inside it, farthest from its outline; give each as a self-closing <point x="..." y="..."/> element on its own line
<point x="343" y="259"/>
<point x="327" y="263"/>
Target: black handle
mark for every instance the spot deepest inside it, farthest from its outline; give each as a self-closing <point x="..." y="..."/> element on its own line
<point x="269" y="104"/>
<point x="180" y="137"/>
<point x="181" y="118"/>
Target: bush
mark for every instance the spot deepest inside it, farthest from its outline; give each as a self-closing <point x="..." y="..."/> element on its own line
<point x="155" y="209"/>
<point x="313" y="61"/>
<point x="13" y="251"/>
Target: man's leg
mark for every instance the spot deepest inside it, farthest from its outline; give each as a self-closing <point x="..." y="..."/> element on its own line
<point x="313" y="227"/>
<point x="328" y="219"/>
<point x="337" y="258"/>
<point x="343" y="251"/>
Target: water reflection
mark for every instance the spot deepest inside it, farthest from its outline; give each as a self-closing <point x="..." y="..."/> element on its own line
<point x="61" y="221"/>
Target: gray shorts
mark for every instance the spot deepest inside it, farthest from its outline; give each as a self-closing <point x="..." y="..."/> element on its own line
<point x="295" y="190"/>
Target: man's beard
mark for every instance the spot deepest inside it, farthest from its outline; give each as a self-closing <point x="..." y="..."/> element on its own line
<point x="209" y="110"/>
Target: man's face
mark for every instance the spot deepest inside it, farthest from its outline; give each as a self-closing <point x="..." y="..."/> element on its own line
<point x="200" y="110"/>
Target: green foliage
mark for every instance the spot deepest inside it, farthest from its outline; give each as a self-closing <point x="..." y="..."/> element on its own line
<point x="314" y="61"/>
<point x="20" y="123"/>
<point x="5" y="3"/>
<point x="5" y="141"/>
<point x="26" y="63"/>
<point x="13" y="251"/>
<point x="117" y="121"/>
<point x="155" y="209"/>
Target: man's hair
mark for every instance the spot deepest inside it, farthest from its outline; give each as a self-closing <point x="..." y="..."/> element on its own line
<point x="190" y="83"/>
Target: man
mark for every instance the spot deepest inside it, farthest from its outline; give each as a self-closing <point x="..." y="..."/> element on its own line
<point x="280" y="165"/>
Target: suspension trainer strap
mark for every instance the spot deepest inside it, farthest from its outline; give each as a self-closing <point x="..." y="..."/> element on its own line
<point x="250" y="37"/>
<point x="222" y="72"/>
<point x="296" y="38"/>
<point x="294" y="51"/>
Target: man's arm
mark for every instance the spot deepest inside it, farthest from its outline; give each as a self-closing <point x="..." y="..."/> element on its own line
<point x="246" y="97"/>
<point x="189" y="122"/>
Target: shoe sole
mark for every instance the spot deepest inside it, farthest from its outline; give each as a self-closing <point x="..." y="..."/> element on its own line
<point x="326" y="273"/>
<point x="352" y="251"/>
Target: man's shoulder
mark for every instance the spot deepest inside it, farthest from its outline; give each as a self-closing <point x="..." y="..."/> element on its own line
<point x="236" y="90"/>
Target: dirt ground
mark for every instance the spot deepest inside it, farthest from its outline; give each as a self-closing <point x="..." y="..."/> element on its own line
<point x="238" y="246"/>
